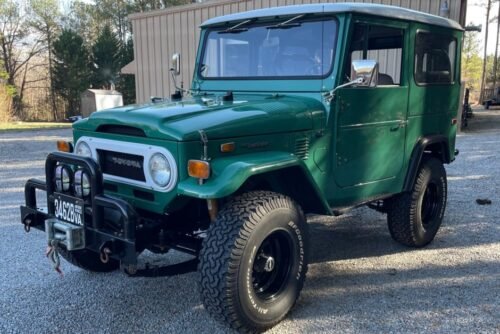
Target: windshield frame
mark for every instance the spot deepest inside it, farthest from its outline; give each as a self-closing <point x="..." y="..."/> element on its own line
<point x="266" y="23"/>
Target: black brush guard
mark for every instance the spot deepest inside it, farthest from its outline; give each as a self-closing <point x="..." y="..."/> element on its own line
<point x="119" y="245"/>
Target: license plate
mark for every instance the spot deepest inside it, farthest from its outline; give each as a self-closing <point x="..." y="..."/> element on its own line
<point x="68" y="209"/>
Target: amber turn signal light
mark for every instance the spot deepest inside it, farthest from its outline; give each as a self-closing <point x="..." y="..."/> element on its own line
<point x="199" y="169"/>
<point x="64" y="146"/>
<point x="227" y="147"/>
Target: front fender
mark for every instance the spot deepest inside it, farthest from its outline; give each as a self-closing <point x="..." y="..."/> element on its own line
<point x="230" y="173"/>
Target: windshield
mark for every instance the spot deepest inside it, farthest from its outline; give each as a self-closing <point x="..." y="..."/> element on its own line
<point x="301" y="49"/>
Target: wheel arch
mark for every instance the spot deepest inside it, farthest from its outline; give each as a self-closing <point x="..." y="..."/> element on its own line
<point x="293" y="182"/>
<point x="433" y="146"/>
<point x="276" y="171"/>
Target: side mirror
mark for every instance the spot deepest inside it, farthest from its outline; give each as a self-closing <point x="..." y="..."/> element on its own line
<point x="176" y="64"/>
<point x="366" y="71"/>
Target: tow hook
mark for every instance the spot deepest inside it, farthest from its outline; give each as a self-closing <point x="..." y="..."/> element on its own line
<point x="105" y="251"/>
<point x="28" y="219"/>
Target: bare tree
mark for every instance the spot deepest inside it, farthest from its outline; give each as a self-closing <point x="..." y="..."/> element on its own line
<point x="15" y="50"/>
<point x="44" y="19"/>
<point x="483" y="77"/>
<point x="495" y="60"/>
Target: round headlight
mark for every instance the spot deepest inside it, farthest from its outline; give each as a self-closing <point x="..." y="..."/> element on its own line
<point x="82" y="183"/>
<point x="63" y="178"/>
<point x="83" y="149"/>
<point x="160" y="169"/>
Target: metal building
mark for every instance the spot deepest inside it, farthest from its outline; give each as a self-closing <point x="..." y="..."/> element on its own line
<point x="158" y="34"/>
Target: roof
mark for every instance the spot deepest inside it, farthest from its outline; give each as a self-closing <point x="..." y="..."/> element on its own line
<point x="333" y="8"/>
<point x="102" y="92"/>
<point x="129" y="68"/>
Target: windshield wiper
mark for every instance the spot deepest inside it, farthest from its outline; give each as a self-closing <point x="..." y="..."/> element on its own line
<point x="236" y="28"/>
<point x="288" y="23"/>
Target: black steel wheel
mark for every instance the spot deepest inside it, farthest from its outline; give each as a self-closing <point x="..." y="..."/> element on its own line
<point x="415" y="217"/>
<point x="272" y="265"/>
<point x="254" y="261"/>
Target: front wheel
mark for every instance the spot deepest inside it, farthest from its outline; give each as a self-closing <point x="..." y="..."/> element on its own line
<point x="254" y="261"/>
<point x="415" y="217"/>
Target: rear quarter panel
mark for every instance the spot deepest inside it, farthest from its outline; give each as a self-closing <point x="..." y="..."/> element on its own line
<point x="432" y="107"/>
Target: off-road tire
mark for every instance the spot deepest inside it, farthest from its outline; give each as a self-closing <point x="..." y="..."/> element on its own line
<point x="88" y="260"/>
<point x="230" y="258"/>
<point x="415" y="217"/>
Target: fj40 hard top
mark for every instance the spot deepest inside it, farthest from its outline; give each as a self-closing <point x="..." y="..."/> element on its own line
<point x="292" y="110"/>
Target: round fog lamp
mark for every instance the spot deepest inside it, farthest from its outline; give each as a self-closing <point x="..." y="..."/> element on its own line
<point x="83" y="149"/>
<point x="160" y="170"/>
<point x="82" y="183"/>
<point x="63" y="178"/>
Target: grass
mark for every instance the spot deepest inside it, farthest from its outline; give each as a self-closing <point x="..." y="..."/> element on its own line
<point x="17" y="126"/>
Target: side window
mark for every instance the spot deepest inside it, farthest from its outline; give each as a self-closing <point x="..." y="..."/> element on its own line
<point x="383" y="44"/>
<point x="435" y="58"/>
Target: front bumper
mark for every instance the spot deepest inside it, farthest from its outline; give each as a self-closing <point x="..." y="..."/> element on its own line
<point x="95" y="234"/>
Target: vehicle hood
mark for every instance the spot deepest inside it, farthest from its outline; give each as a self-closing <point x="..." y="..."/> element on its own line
<point x="181" y="121"/>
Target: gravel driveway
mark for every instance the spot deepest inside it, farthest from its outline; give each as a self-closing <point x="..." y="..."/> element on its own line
<point x="359" y="281"/>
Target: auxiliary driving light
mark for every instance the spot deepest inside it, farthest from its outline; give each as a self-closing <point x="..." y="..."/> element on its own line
<point x="82" y="183"/>
<point x="63" y="178"/>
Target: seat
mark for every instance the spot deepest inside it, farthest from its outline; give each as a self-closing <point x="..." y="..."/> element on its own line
<point x="385" y="79"/>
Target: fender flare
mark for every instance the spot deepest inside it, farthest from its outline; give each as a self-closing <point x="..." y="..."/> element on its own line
<point x="230" y="173"/>
<point x="418" y="153"/>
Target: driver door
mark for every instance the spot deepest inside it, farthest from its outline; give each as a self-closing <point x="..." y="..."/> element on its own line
<point x="371" y="121"/>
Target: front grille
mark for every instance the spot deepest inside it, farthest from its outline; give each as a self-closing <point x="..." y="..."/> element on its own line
<point x="125" y="165"/>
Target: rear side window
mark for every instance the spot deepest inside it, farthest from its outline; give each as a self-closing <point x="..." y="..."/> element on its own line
<point x="435" y="57"/>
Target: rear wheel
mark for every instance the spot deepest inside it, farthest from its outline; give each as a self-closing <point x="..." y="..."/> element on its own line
<point x="415" y="217"/>
<point x="254" y="261"/>
<point x="88" y="260"/>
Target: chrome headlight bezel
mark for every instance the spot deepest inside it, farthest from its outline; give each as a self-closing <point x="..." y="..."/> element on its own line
<point x="82" y="148"/>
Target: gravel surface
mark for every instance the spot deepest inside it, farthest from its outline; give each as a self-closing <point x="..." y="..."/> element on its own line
<point x="360" y="281"/>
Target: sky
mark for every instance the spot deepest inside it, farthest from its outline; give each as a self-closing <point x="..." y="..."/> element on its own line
<point x="476" y="14"/>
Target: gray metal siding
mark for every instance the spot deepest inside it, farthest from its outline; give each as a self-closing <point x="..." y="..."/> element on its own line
<point x="159" y="34"/>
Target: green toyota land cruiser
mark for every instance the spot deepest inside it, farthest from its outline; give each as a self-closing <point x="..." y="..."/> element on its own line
<point x="296" y="110"/>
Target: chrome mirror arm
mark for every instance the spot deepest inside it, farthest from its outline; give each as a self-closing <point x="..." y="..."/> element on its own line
<point x="329" y="96"/>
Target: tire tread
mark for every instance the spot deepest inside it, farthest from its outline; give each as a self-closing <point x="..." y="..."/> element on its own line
<point x="223" y="248"/>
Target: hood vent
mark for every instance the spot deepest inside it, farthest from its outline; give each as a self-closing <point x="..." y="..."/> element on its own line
<point x="122" y="130"/>
<point x="302" y="148"/>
